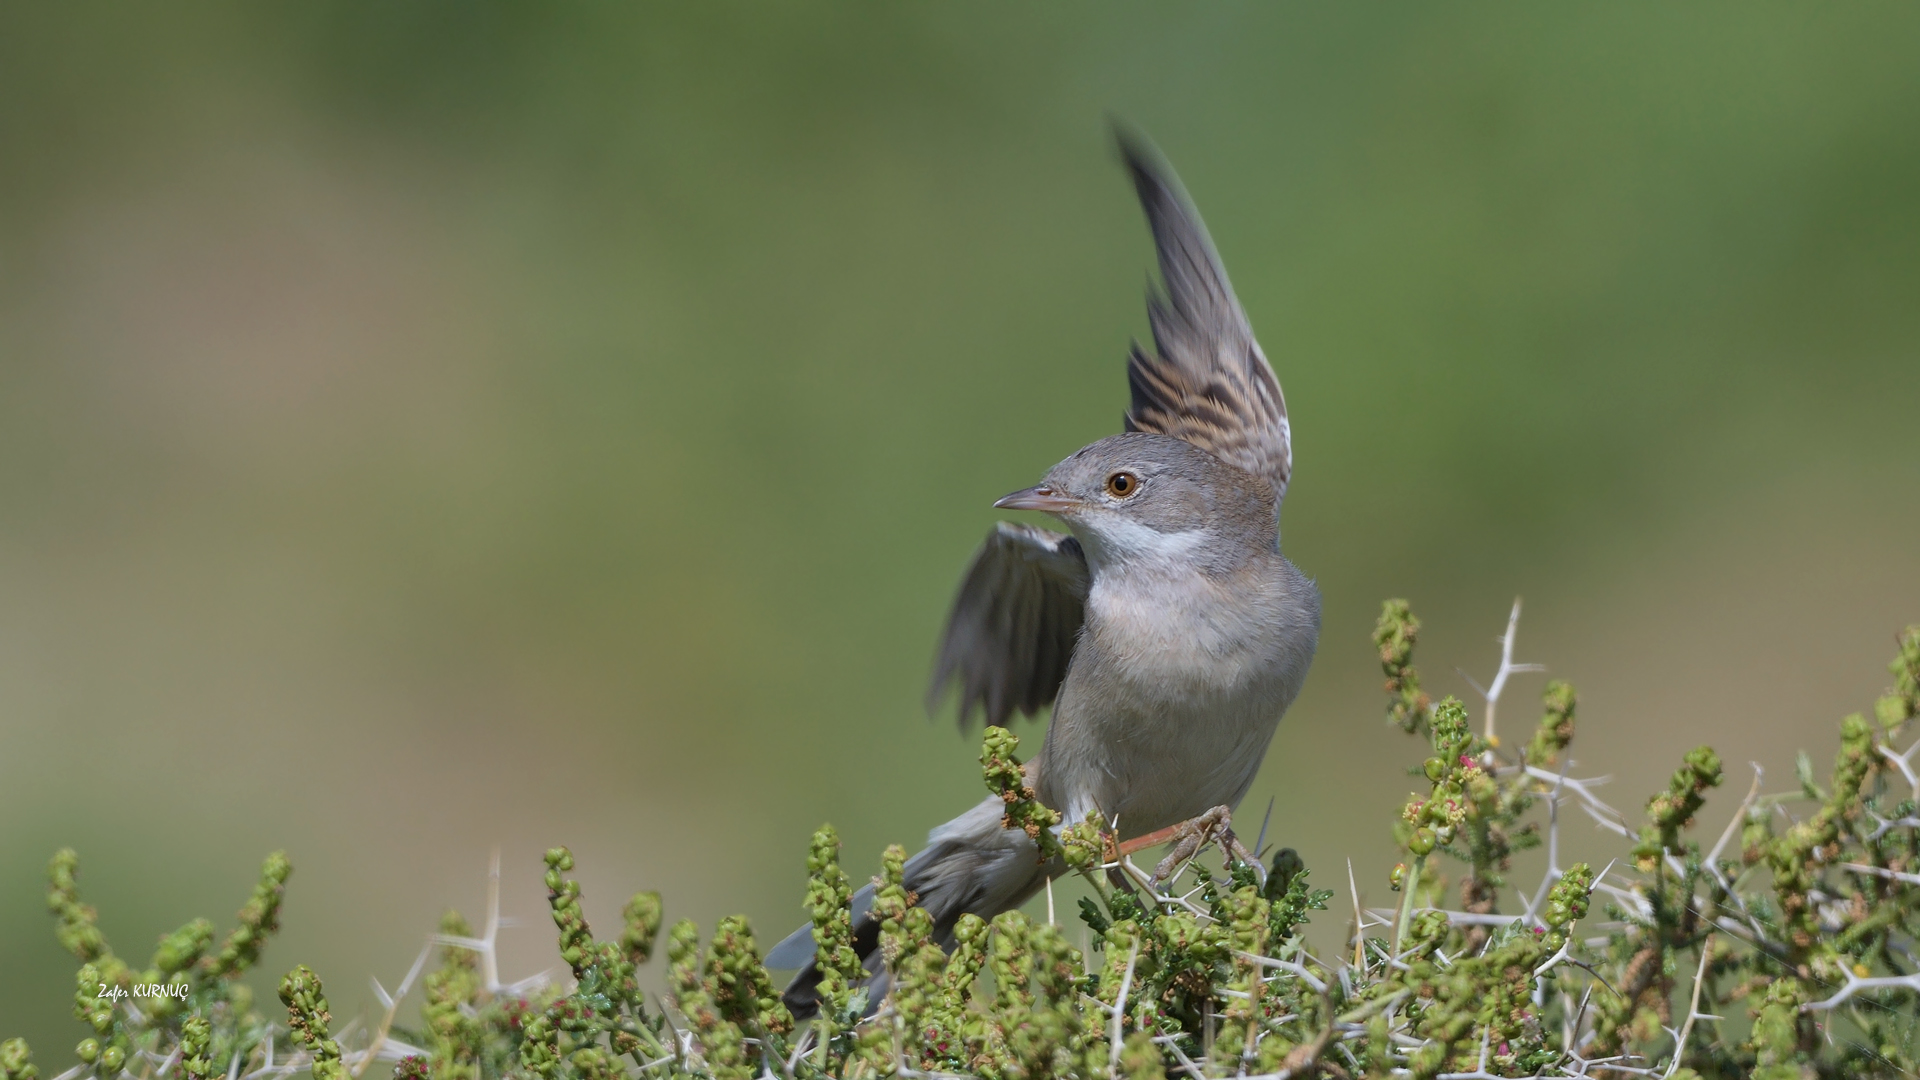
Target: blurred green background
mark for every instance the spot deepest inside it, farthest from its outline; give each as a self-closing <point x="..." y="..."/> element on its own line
<point x="427" y="426"/>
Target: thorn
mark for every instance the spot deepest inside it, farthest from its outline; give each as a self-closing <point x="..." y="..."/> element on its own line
<point x="1477" y="688"/>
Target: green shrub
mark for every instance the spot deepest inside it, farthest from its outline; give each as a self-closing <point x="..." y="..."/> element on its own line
<point x="1774" y="952"/>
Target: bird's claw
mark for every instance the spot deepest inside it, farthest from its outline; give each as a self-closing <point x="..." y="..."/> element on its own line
<point x="1214" y="826"/>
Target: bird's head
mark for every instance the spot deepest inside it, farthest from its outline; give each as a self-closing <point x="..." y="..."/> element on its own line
<point x="1140" y="498"/>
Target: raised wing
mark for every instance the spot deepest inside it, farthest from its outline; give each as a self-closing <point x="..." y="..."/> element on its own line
<point x="1013" y="624"/>
<point x="1207" y="381"/>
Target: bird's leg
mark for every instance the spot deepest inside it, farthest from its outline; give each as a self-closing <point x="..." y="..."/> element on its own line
<point x="1188" y="837"/>
<point x="1111" y="853"/>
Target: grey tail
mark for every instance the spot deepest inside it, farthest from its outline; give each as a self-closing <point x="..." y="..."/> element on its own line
<point x="970" y="866"/>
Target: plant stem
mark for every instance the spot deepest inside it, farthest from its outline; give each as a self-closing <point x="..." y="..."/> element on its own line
<point x="1411" y="883"/>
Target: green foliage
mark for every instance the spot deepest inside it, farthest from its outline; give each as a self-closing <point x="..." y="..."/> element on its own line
<point x="1801" y="943"/>
<point x="309" y="1020"/>
<point x="1395" y="635"/>
<point x="1550" y="739"/>
<point x="258" y="920"/>
<point x="1672" y="810"/>
<point x="829" y="904"/>
<point x="186" y="997"/>
<point x="16" y="1061"/>
<point x="1901" y="703"/>
<point x="1007" y="778"/>
<point x="450" y="1032"/>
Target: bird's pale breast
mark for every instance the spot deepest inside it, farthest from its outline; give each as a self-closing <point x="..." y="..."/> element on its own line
<point x="1174" y="692"/>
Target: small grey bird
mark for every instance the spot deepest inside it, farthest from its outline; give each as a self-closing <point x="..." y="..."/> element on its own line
<point x="1167" y="631"/>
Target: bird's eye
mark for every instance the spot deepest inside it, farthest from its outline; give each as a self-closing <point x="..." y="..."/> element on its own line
<point x="1122" y="484"/>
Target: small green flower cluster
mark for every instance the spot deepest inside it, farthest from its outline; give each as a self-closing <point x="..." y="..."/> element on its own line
<point x="1802" y="943"/>
<point x="1802" y="946"/>
<point x="1026" y="1021"/>
<point x="1007" y="778"/>
<point x="585" y="1034"/>
<point x="188" y="999"/>
<point x="307" y="1015"/>
<point x="1395" y="635"/>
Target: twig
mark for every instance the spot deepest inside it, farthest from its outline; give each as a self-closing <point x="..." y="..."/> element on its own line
<point x="1507" y="669"/>
<point x="392" y="1003"/>
<point x="1877" y="871"/>
<point x="1186" y="1063"/>
<point x="1120" y="1011"/>
<point x="1693" y="1006"/>
<point x="1905" y="764"/>
<point x="1855" y="984"/>
<point x="1359" y="922"/>
<point x="489" y="958"/>
<point x="1739" y="816"/>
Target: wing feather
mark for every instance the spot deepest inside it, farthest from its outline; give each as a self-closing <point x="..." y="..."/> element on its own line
<point x="1014" y="623"/>
<point x="1206" y="381"/>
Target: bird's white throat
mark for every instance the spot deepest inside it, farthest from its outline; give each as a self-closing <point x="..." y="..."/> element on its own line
<point x="1114" y="538"/>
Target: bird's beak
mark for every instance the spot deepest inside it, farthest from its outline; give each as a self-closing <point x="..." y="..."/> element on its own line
<point x="1038" y="498"/>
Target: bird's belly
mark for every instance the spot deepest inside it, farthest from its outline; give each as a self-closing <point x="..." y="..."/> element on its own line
<point x="1153" y="770"/>
<point x="1165" y="714"/>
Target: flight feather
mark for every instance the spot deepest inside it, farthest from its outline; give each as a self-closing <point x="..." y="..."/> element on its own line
<point x="1014" y="623"/>
<point x="1206" y="380"/>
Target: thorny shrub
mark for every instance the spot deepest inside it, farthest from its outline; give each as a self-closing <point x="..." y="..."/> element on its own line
<point x="1785" y="948"/>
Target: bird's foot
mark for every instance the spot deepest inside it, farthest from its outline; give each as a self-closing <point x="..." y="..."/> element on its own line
<point x="1188" y="837"/>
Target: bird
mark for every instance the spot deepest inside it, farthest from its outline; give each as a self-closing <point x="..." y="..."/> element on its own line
<point x="1164" y="627"/>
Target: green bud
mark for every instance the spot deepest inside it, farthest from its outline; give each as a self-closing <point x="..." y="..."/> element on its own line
<point x="16" y="1061"/>
<point x="1550" y="739"/>
<point x="1450" y="737"/>
<point x="1395" y="633"/>
<point x="1082" y="845"/>
<point x="259" y="919"/>
<point x="183" y="948"/>
<point x="196" y="1041"/>
<point x="642" y="917"/>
